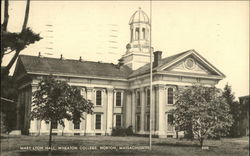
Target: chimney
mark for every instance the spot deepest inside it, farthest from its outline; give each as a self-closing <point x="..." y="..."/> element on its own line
<point x="120" y="62"/>
<point x="157" y="58"/>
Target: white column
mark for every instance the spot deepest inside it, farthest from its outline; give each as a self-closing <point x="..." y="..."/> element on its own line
<point x="161" y="103"/>
<point x="133" y="106"/>
<point x="43" y="127"/>
<point x="142" y="93"/>
<point x="109" y="110"/>
<point x="89" y="116"/>
<point x="153" y="110"/>
<point x="33" y="126"/>
<point x="33" y="123"/>
<point x="66" y="128"/>
<point x="128" y="108"/>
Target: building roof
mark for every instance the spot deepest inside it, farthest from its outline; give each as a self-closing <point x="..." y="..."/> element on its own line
<point x="67" y="67"/>
<point x="139" y="17"/>
<point x="35" y="64"/>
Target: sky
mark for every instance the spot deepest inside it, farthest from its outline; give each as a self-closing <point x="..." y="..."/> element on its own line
<point x="99" y="31"/>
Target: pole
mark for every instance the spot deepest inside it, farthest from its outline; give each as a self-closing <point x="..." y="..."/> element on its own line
<point x="151" y="78"/>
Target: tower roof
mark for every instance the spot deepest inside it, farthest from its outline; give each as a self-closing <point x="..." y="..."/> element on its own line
<point x="139" y="17"/>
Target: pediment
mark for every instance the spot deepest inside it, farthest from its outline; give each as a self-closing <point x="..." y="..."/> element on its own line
<point x="190" y="62"/>
<point x="189" y="65"/>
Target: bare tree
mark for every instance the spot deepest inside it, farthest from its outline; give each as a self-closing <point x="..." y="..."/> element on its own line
<point x="15" y="42"/>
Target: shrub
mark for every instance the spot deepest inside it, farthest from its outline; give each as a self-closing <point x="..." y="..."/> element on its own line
<point x="119" y="131"/>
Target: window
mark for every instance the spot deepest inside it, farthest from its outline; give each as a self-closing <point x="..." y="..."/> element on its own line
<point x="137" y="34"/>
<point x="98" y="120"/>
<point x="143" y="33"/>
<point x="148" y="122"/>
<point x="77" y="125"/>
<point x="118" y="99"/>
<point x="170" y="95"/>
<point x="138" y="99"/>
<point x="98" y="98"/>
<point x="131" y="31"/>
<point x="138" y="122"/>
<point x="148" y="97"/>
<point x="118" y="120"/>
<point x="170" y="119"/>
<point x="170" y="123"/>
<point x="54" y="125"/>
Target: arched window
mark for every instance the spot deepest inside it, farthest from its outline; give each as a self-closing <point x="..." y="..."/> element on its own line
<point x="143" y="33"/>
<point x="170" y="96"/>
<point x="98" y="98"/>
<point x="137" y="34"/>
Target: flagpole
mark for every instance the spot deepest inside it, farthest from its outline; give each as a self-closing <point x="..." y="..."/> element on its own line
<point x="151" y="78"/>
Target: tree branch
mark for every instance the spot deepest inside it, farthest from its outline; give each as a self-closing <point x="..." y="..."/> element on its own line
<point x="6" y="53"/>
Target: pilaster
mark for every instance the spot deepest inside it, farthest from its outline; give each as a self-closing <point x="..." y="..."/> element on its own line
<point x="109" y="110"/>
<point x="160" y="101"/>
<point x="128" y="108"/>
<point x="133" y="106"/>
<point x="142" y="93"/>
<point x="88" y="116"/>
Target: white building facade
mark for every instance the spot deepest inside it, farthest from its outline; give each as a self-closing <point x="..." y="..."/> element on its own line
<point x="120" y="92"/>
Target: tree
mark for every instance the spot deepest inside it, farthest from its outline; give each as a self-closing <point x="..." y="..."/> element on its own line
<point x="55" y="101"/>
<point x="204" y="109"/>
<point x="8" y="104"/>
<point x="234" y="110"/>
<point x="15" y="42"/>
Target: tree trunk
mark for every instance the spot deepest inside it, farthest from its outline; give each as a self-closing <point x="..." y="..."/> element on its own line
<point x="5" y="23"/>
<point x="6" y="15"/>
<point x="26" y="17"/>
<point x="50" y="137"/>
<point x="6" y="70"/>
<point x="201" y="141"/>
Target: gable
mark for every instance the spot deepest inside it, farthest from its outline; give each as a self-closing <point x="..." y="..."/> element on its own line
<point x="191" y="63"/>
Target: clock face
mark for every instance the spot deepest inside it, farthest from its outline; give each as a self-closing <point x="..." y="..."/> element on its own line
<point x="189" y="63"/>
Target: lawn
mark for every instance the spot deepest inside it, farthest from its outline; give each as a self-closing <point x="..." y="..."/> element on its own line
<point x="82" y="145"/>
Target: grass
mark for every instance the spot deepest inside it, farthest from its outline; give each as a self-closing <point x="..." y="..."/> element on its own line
<point x="170" y="147"/>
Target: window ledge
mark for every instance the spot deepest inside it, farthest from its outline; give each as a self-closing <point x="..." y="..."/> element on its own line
<point x="170" y="104"/>
<point x="119" y="106"/>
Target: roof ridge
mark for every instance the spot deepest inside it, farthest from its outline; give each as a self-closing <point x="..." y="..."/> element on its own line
<point x="67" y="59"/>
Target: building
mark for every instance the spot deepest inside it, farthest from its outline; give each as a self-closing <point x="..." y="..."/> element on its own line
<point x="120" y="92"/>
<point x="244" y="116"/>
